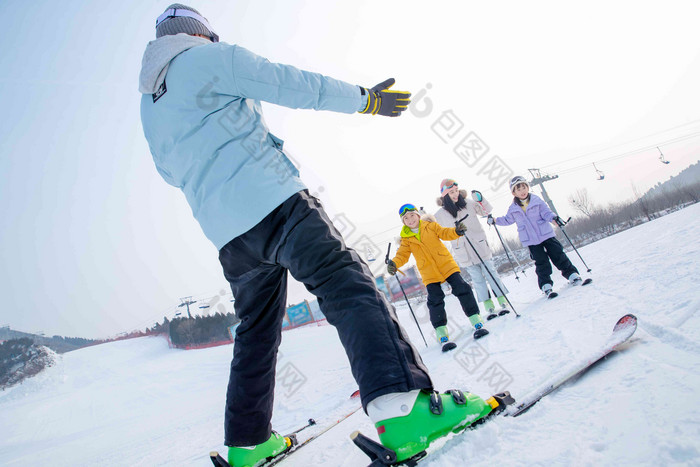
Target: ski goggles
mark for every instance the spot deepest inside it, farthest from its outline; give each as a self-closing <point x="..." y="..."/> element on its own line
<point x="175" y="13"/>
<point x="407" y="208"/>
<point x="448" y="184"/>
<point x="515" y="181"/>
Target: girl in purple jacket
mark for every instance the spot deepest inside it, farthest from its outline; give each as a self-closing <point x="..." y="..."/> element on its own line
<point x="533" y="218"/>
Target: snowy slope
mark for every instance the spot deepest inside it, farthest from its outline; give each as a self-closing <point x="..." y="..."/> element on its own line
<point x="138" y="402"/>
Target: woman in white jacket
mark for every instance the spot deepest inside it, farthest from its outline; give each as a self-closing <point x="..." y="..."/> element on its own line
<point x="454" y="206"/>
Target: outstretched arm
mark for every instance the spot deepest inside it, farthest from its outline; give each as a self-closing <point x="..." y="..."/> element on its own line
<point x="508" y="219"/>
<point x="445" y="233"/>
<point x="546" y="213"/>
<point x="402" y="255"/>
<point x="255" y="77"/>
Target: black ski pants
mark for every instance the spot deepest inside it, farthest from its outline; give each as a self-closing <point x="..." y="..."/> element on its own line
<point x="436" y="299"/>
<point x="299" y="237"/>
<point x="550" y="249"/>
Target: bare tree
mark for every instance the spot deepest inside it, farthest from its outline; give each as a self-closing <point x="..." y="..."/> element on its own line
<point x="688" y="193"/>
<point x="641" y="202"/>
<point x="582" y="202"/>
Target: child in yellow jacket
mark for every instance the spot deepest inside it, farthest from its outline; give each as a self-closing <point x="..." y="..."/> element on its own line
<point x="436" y="265"/>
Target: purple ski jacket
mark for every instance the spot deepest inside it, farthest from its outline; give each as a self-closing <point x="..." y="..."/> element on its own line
<point x="533" y="224"/>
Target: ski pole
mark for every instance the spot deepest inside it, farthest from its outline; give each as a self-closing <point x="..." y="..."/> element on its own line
<point x="312" y="422"/>
<point x="386" y="261"/>
<point x="487" y="268"/>
<point x="522" y="269"/>
<point x="561" y="226"/>
<point x="506" y="250"/>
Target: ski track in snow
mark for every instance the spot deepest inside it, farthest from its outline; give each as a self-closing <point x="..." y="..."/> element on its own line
<point x="139" y="403"/>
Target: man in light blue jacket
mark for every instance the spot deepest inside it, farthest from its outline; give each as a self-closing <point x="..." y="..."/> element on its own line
<point x="202" y="116"/>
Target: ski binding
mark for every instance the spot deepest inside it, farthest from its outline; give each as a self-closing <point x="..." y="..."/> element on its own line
<point x="383" y="456"/>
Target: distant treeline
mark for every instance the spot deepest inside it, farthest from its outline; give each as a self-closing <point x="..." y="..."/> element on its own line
<point x="20" y="359"/>
<point x="182" y="332"/>
<point x="197" y="330"/>
<point x="595" y="222"/>
<point x="13" y="350"/>
<point x="58" y="344"/>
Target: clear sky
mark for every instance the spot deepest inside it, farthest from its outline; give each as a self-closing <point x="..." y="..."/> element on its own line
<point x="94" y="243"/>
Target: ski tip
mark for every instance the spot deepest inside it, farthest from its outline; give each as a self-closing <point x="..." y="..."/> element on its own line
<point x="217" y="460"/>
<point x="626" y="321"/>
<point x="354" y="434"/>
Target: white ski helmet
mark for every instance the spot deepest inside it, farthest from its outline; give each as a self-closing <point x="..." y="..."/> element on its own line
<point x="515" y="181"/>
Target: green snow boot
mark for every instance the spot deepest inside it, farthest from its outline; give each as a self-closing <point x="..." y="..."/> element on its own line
<point x="480" y="330"/>
<point x="444" y="339"/>
<point x="504" y="305"/>
<point x="490" y="309"/>
<point x="441" y="334"/>
<point x="250" y="456"/>
<point x="408" y="422"/>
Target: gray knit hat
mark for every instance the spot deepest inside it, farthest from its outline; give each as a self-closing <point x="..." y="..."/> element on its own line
<point x="178" y="18"/>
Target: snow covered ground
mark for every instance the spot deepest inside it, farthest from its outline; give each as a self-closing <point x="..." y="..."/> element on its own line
<point x="137" y="402"/>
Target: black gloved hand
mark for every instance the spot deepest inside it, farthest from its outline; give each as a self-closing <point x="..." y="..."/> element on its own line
<point x="391" y="267"/>
<point x="477" y="196"/>
<point x="461" y="229"/>
<point x="560" y="222"/>
<point x="490" y="220"/>
<point x="385" y="102"/>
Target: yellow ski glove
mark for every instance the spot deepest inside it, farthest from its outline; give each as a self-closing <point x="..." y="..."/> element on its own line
<point x="382" y="101"/>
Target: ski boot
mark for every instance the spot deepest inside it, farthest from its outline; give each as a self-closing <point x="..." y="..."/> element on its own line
<point x="504" y="305"/>
<point x="547" y="289"/>
<point x="444" y="339"/>
<point x="575" y="279"/>
<point x="480" y="331"/>
<point x="478" y="324"/>
<point x="490" y="309"/>
<point x="249" y="456"/>
<point x="407" y="422"/>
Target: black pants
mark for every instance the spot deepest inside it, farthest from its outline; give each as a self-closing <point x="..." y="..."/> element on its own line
<point x="436" y="299"/>
<point x="299" y="237"/>
<point x="548" y="250"/>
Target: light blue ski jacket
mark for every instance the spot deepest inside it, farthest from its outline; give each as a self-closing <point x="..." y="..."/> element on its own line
<point x="203" y="121"/>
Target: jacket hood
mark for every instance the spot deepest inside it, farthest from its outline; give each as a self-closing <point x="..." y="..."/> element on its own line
<point x="407" y="232"/>
<point x="158" y="55"/>
<point x="439" y="201"/>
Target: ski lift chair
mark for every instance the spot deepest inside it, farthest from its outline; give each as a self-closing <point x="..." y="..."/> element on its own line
<point x="601" y="175"/>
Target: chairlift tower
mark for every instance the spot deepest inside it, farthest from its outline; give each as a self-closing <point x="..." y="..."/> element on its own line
<point x="187" y="301"/>
<point x="539" y="179"/>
